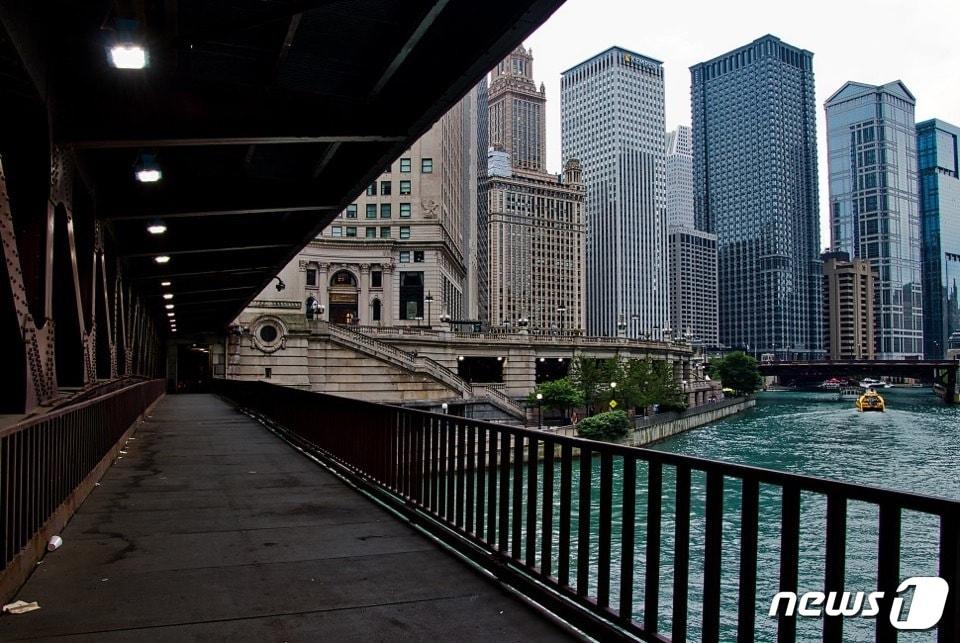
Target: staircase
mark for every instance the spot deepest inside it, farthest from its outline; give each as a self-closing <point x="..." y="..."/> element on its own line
<point x="355" y="340"/>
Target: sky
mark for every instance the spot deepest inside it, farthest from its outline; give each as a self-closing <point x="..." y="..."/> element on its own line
<point x="872" y="42"/>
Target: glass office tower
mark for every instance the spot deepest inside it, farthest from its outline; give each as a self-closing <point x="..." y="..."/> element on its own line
<point x="755" y="187"/>
<point x="939" y="166"/>
<point x="874" y="206"/>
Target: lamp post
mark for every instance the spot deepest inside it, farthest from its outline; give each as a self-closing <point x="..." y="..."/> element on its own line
<point x="445" y="318"/>
<point x="621" y="326"/>
<point x="668" y="333"/>
<point x="561" y="310"/>
<point x="613" y="395"/>
<point x="539" y="411"/>
<point x="523" y="322"/>
<point x="444" y="407"/>
<point x="635" y="318"/>
<point x="429" y="300"/>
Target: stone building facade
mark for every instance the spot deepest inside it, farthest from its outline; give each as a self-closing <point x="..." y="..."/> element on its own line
<point x="537" y="229"/>
<point x="849" y="290"/>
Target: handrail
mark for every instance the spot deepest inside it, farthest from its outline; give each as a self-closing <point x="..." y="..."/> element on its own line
<point x="48" y="464"/>
<point x="506" y="497"/>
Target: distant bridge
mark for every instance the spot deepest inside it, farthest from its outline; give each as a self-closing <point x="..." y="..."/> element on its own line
<point x="943" y="373"/>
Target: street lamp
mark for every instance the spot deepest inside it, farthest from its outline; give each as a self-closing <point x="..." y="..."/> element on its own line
<point x="668" y="332"/>
<point x="444" y="407"/>
<point x="539" y="411"/>
<point x="635" y="318"/>
<point x="561" y="309"/>
<point x="621" y="326"/>
<point x="429" y="300"/>
<point x="445" y="318"/>
<point x="523" y="322"/>
<point x="613" y="395"/>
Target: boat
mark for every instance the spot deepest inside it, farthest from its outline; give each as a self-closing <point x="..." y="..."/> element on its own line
<point x="870" y="401"/>
<point x="831" y="384"/>
<point x="870" y="383"/>
<point x="849" y="393"/>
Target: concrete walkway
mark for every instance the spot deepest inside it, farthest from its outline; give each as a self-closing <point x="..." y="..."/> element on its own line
<point x="210" y="527"/>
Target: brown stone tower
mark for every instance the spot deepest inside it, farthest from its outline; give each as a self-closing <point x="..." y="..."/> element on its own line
<point x="517" y="111"/>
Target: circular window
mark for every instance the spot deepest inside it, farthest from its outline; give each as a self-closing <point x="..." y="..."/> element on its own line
<point x="268" y="333"/>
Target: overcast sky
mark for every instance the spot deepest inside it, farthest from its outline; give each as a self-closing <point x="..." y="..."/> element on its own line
<point x="873" y="42"/>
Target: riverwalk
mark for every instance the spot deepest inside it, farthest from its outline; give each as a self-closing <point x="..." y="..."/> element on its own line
<point x="209" y="526"/>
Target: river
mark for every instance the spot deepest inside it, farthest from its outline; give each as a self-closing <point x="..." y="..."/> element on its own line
<point x="914" y="446"/>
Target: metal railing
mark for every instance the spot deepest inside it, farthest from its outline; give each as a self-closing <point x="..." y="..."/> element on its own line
<point x="43" y="460"/>
<point x="560" y="518"/>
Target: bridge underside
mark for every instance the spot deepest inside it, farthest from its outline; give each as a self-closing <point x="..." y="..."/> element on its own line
<point x="941" y="373"/>
<point x="265" y="119"/>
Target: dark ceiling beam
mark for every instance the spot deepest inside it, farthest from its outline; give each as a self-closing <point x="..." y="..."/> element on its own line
<point x="409" y="45"/>
<point x="199" y="273"/>
<point x="200" y="214"/>
<point x="179" y="293"/>
<point x="105" y="144"/>
<point x="196" y="251"/>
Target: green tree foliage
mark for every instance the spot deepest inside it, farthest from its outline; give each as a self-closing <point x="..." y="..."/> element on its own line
<point x="738" y="371"/>
<point x="641" y="383"/>
<point x="611" y="425"/>
<point x="588" y="375"/>
<point x="559" y="395"/>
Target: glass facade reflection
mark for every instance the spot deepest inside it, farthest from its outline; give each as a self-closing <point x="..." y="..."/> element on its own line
<point x="755" y="187"/>
<point x="874" y="203"/>
<point x="939" y="170"/>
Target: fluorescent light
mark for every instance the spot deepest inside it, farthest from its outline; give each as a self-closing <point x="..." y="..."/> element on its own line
<point x="169" y="306"/>
<point x="170" y="314"/>
<point x="157" y="228"/>
<point x="165" y="284"/>
<point x="128" y="56"/>
<point x="168" y="295"/>
<point x="150" y="176"/>
<point x="162" y="259"/>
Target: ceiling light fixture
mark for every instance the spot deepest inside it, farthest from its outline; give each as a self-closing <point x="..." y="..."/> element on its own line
<point x="162" y="259"/>
<point x="128" y="56"/>
<point x="169" y="306"/>
<point x="168" y="295"/>
<point x="147" y="170"/>
<point x="157" y="228"/>
<point x="165" y="284"/>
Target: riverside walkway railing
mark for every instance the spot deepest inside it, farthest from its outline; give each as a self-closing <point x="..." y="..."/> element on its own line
<point x="49" y="463"/>
<point x="558" y="518"/>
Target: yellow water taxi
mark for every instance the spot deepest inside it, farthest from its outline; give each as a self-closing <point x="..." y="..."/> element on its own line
<point x="870" y="401"/>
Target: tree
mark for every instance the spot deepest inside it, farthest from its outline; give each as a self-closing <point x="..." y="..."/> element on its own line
<point x="665" y="390"/>
<point x="738" y="371"/>
<point x="591" y="377"/>
<point x="559" y="395"/>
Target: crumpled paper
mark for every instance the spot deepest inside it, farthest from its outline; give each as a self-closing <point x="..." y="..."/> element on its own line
<point x="20" y="607"/>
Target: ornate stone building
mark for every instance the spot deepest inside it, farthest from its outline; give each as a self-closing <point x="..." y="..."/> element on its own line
<point x="398" y="255"/>
<point x="537" y="232"/>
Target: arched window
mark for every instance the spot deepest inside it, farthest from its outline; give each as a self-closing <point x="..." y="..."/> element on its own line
<point x="343" y="278"/>
<point x="376" y="310"/>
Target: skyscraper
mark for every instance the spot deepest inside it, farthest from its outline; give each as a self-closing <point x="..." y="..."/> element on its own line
<point x="874" y="205"/>
<point x="536" y="228"/>
<point x="938" y="156"/>
<point x="693" y="285"/>
<point x="680" y="177"/>
<point x="755" y="187"/>
<point x="481" y="271"/>
<point x="848" y="306"/>
<point x="612" y="114"/>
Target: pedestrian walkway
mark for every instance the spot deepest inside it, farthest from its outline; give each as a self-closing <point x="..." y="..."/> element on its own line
<point x="210" y="527"/>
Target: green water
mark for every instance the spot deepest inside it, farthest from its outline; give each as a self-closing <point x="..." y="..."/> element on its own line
<point x="914" y="446"/>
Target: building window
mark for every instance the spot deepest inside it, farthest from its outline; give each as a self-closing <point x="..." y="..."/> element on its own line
<point x="370" y="233"/>
<point x="404" y="256"/>
<point x="418" y="256"/>
<point x="404" y="232"/>
<point x="351" y="231"/>
<point x="336" y="231"/>
<point x="371" y="210"/>
<point x="426" y="166"/>
<point x="405" y="187"/>
<point x="385" y="232"/>
<point x="311" y="277"/>
<point x="376" y="310"/>
<point x="385" y="211"/>
<point x="352" y="211"/>
<point x="405" y="210"/>
<point x="404" y="165"/>
<point x="385" y="188"/>
<point x="376" y="279"/>
<point x="411" y="295"/>
<point x="372" y="189"/>
<point x="268" y="372"/>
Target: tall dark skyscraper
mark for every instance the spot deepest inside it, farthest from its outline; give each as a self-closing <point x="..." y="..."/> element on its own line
<point x="483" y="235"/>
<point x="938" y="156"/>
<point x="755" y="187"/>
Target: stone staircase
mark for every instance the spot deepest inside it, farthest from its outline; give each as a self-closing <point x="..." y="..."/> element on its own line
<point x="419" y="364"/>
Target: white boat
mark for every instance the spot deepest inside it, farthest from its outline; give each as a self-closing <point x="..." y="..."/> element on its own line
<point x="869" y="383"/>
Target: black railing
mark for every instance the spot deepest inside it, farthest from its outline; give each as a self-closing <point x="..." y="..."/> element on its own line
<point x="593" y="532"/>
<point x="43" y="462"/>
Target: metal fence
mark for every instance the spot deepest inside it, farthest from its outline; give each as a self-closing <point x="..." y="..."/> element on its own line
<point x="521" y="503"/>
<point x="44" y="460"/>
